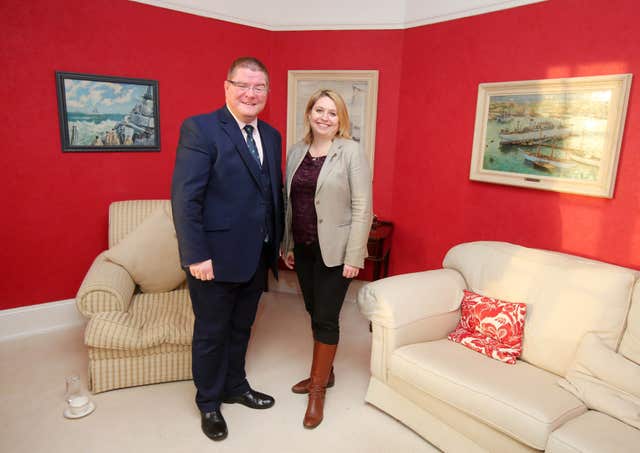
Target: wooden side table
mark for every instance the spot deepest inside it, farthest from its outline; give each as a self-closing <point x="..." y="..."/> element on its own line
<point x="379" y="247"/>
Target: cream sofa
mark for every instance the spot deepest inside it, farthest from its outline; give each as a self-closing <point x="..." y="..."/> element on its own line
<point x="462" y="401"/>
<point x="133" y="337"/>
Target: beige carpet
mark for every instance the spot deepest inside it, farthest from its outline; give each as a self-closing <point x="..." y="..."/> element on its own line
<point x="163" y="418"/>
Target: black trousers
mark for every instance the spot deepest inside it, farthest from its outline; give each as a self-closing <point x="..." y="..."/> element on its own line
<point x="323" y="289"/>
<point x="224" y="313"/>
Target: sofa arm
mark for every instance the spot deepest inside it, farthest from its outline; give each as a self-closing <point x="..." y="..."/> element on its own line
<point x="396" y="301"/>
<point x="409" y="308"/>
<point x="106" y="287"/>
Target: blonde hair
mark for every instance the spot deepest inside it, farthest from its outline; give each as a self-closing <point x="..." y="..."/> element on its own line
<point x="344" y="125"/>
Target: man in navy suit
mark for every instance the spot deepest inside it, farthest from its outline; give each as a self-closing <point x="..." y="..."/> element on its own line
<point x="226" y="196"/>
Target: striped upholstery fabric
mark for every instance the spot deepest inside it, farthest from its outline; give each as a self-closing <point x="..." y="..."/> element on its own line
<point x="125" y="216"/>
<point x="113" y="369"/>
<point x="106" y="287"/>
<point x="133" y="338"/>
<point x="152" y="320"/>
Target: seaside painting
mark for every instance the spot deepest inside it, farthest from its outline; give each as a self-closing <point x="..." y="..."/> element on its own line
<point x="556" y="134"/>
<point x="103" y="113"/>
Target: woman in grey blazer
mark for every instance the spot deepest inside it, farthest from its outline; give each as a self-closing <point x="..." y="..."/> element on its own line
<point x="327" y="223"/>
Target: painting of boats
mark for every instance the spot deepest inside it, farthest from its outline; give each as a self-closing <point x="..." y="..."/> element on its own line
<point x="534" y="133"/>
<point x="103" y="113"/>
<point x="590" y="160"/>
<point x="547" y="161"/>
<point x="555" y="134"/>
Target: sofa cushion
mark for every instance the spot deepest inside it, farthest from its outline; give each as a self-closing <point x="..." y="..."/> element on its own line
<point x="150" y="253"/>
<point x="594" y="432"/>
<point x="566" y="296"/>
<point x="521" y="401"/>
<point x="630" y="344"/>
<point x="605" y="381"/>
<point x="490" y="326"/>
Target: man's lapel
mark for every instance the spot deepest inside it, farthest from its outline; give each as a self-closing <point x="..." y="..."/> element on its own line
<point x="268" y="153"/>
<point x="230" y="126"/>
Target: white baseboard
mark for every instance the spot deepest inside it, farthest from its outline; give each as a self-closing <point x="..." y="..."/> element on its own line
<point x="43" y="318"/>
<point x="37" y="319"/>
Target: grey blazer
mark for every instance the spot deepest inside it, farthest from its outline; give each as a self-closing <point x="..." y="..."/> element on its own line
<point x="343" y="202"/>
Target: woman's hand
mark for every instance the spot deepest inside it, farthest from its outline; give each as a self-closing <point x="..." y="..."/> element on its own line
<point x="350" y="271"/>
<point x="289" y="260"/>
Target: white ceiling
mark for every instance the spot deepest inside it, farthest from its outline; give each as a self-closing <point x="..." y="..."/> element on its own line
<point x="281" y="15"/>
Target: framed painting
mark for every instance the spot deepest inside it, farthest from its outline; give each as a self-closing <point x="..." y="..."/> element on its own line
<point x="562" y="135"/>
<point x="359" y="89"/>
<point x="104" y="113"/>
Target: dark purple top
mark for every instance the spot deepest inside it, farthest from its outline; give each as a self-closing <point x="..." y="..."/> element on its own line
<point x="303" y="192"/>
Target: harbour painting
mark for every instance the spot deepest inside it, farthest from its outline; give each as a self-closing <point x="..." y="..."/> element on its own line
<point x="556" y="134"/>
<point x="104" y="113"/>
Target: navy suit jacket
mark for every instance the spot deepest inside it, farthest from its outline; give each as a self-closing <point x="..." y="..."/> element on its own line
<point x="217" y="196"/>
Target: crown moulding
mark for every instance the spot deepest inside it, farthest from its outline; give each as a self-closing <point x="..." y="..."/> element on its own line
<point x="293" y="15"/>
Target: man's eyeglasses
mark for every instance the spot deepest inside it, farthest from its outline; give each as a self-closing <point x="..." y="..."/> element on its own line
<point x="243" y="87"/>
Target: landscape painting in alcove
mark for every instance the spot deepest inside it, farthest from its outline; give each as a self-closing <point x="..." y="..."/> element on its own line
<point x="555" y="134"/>
<point x="103" y="113"/>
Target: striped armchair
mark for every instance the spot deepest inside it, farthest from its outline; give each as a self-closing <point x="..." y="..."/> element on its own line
<point x="133" y="338"/>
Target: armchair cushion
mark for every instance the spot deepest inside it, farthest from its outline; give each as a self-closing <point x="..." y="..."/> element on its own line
<point x="150" y="253"/>
<point x="153" y="320"/>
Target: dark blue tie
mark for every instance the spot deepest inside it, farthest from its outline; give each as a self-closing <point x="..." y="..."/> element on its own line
<point x="251" y="143"/>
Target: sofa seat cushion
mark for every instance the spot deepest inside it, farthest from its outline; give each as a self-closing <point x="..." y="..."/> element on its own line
<point x="520" y="400"/>
<point x="594" y="432"/>
<point x="153" y="319"/>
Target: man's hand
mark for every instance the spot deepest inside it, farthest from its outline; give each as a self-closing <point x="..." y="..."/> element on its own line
<point x="350" y="271"/>
<point x="202" y="271"/>
<point x="289" y="260"/>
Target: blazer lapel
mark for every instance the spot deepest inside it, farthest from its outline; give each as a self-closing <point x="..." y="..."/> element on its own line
<point x="233" y="131"/>
<point x="329" y="163"/>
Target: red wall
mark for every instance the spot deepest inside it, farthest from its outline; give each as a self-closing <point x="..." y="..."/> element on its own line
<point x="435" y="203"/>
<point x="348" y="50"/>
<point x="55" y="204"/>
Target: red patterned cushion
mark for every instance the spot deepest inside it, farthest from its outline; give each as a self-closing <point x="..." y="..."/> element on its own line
<point x="491" y="326"/>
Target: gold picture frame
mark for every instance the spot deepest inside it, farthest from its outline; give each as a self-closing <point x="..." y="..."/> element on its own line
<point x="562" y="135"/>
<point x="359" y="90"/>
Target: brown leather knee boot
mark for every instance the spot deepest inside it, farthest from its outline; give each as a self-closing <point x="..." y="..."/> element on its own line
<point x="303" y="386"/>
<point x="323" y="355"/>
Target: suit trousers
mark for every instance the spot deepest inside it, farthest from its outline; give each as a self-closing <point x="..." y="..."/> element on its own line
<point x="224" y="314"/>
<point x="323" y="289"/>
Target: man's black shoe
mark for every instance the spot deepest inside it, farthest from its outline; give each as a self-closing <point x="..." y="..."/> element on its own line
<point x="252" y="399"/>
<point x="213" y="425"/>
